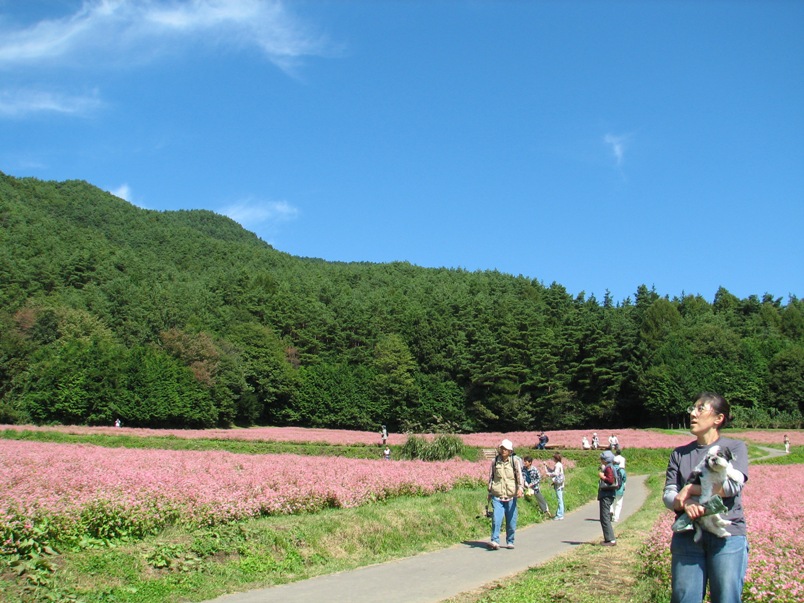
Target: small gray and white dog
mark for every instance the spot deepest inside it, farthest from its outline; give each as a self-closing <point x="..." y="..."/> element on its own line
<point x="713" y="470"/>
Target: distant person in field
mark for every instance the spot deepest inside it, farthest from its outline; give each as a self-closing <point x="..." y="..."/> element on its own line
<point x="557" y="475"/>
<point x="118" y="423"/>
<point x="505" y="487"/>
<point x="384" y="435"/>
<point x="386" y="454"/>
<point x="585" y="443"/>
<point x="787" y="443"/>
<point x="543" y="439"/>
<point x="595" y="441"/>
<point x="533" y="479"/>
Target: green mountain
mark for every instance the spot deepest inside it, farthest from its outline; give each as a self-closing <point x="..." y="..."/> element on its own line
<point x="186" y="319"/>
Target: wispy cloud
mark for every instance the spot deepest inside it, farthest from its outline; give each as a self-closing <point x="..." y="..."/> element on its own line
<point x="123" y="191"/>
<point x="129" y="31"/>
<point x="22" y="102"/>
<point x="617" y="144"/>
<point x="253" y="213"/>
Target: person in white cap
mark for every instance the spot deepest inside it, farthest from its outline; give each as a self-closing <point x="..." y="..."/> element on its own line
<point x="505" y="486"/>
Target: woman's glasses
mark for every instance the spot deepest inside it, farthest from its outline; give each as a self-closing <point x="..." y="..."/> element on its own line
<point x="698" y="409"/>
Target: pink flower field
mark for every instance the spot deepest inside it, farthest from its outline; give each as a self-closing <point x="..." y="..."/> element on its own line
<point x="770" y="437"/>
<point x="339" y="437"/>
<point x="571" y="438"/>
<point x="774" y="513"/>
<point x="629" y="438"/>
<point x="160" y="486"/>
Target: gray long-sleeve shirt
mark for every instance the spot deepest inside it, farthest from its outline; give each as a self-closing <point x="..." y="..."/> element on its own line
<point x="683" y="461"/>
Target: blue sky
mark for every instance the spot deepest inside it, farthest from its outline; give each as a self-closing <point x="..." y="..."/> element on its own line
<point x="600" y="145"/>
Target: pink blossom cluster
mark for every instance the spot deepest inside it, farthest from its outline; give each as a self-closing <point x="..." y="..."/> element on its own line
<point x="774" y="513"/>
<point x="64" y="480"/>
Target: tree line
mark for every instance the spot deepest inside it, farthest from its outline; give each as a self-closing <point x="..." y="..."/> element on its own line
<point x="185" y="319"/>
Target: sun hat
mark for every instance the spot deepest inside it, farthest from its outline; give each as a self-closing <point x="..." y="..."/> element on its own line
<point x="607" y="457"/>
<point x="507" y="445"/>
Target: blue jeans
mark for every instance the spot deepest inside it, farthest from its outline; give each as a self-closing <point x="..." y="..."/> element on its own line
<point x="560" y="496"/>
<point x="507" y="508"/>
<point x="720" y="561"/>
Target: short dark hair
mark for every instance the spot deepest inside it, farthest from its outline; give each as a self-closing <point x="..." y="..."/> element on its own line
<point x="528" y="459"/>
<point x="557" y="457"/>
<point x="718" y="404"/>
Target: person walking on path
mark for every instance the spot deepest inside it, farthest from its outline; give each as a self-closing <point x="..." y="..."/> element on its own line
<point x="617" y="507"/>
<point x="606" y="488"/>
<point x="533" y="482"/>
<point x="557" y="475"/>
<point x="505" y="487"/>
<point x="787" y="444"/>
<point x="722" y="562"/>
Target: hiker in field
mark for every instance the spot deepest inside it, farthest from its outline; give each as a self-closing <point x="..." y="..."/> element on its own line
<point x="505" y="487"/>
<point x="606" y="488"/>
<point x="384" y="435"/>
<point x="386" y="453"/>
<point x="533" y="479"/>
<point x="557" y="475"/>
<point x="595" y="441"/>
<point x="585" y="443"/>
<point x="543" y="439"/>
<point x="787" y="443"/>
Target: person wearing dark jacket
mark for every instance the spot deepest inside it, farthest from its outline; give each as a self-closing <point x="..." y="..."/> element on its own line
<point x="607" y="486"/>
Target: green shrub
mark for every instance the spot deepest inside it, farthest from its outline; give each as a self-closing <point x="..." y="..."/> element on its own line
<point x="442" y="448"/>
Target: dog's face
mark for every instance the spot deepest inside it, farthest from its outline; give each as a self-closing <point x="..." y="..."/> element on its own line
<point x="718" y="459"/>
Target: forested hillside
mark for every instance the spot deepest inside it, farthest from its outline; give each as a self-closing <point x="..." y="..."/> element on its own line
<point x="184" y="319"/>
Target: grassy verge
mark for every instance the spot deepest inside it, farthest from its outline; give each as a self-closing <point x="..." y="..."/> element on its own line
<point x="588" y="573"/>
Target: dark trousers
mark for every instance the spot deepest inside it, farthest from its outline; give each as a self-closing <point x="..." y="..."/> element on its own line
<point x="606" y="499"/>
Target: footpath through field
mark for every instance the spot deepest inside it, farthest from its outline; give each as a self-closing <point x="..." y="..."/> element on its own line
<point x="432" y="577"/>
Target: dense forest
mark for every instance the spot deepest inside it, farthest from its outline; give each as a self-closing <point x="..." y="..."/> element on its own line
<point x="185" y="319"/>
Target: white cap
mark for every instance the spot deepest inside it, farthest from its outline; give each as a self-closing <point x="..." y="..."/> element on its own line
<point x="507" y="445"/>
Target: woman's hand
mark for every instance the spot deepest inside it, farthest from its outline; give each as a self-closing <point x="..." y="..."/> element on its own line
<point x="694" y="510"/>
<point x="683" y="497"/>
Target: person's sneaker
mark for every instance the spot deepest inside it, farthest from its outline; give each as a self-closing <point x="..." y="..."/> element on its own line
<point x="609" y="543"/>
<point x="558" y="519"/>
<point x="493" y="545"/>
<point x="511" y="545"/>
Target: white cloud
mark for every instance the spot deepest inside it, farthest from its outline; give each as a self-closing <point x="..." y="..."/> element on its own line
<point x="123" y="191"/>
<point x="618" y="144"/>
<point x="22" y="102"/>
<point x="252" y="213"/>
<point x="130" y="31"/>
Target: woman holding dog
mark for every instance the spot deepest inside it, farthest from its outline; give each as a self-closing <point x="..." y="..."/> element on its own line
<point x="721" y="562"/>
